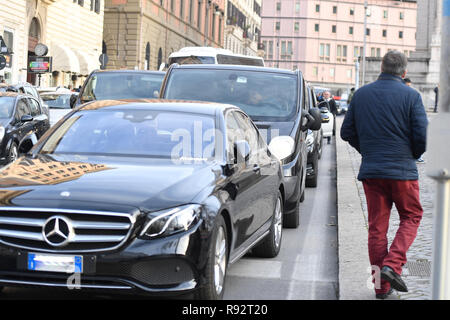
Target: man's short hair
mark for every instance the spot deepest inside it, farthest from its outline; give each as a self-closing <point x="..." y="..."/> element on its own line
<point x="407" y="80"/>
<point x="394" y="62"/>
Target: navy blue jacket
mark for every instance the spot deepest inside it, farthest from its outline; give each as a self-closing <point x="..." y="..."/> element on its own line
<point x="387" y="123"/>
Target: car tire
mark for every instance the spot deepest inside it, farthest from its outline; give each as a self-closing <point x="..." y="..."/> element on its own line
<point x="312" y="182"/>
<point x="13" y="153"/>
<point x="217" y="263"/>
<point x="271" y="244"/>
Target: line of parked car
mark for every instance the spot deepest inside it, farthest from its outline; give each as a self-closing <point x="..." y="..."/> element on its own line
<point x="134" y="193"/>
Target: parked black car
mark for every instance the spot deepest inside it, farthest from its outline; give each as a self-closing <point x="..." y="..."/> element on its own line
<point x="22" y="122"/>
<point x="27" y="88"/>
<point x="273" y="98"/>
<point x="151" y="197"/>
<point x="314" y="142"/>
<point x="119" y="84"/>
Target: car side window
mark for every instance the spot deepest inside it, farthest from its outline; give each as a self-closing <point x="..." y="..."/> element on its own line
<point x="251" y="135"/>
<point x="234" y="133"/>
<point x="34" y="107"/>
<point x="22" y="109"/>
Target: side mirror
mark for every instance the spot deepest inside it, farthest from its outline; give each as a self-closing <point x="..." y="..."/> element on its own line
<point x="241" y="151"/>
<point x="73" y="100"/>
<point x="26" y="118"/>
<point x="162" y="66"/>
<point x="156" y="94"/>
<point x="312" y="120"/>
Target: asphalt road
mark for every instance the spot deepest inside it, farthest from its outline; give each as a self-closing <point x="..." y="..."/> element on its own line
<point x="305" y="269"/>
<point x="307" y="266"/>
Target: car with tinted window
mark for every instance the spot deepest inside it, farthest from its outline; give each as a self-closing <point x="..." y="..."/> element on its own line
<point x="119" y="84"/>
<point x="27" y="88"/>
<point x="314" y="142"/>
<point x="156" y="197"/>
<point x="22" y="122"/>
<point x="275" y="101"/>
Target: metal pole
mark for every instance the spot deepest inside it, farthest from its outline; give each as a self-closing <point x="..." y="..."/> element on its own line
<point x="364" y="45"/>
<point x="356" y="75"/>
<point x="439" y="169"/>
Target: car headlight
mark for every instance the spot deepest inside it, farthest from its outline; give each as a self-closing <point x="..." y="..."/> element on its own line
<point x="170" y="221"/>
<point x="282" y="146"/>
<point x="2" y="132"/>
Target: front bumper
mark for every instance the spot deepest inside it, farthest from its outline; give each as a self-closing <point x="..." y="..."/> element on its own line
<point x="164" y="266"/>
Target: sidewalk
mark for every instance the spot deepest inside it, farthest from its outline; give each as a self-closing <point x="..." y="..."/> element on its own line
<point x="354" y="265"/>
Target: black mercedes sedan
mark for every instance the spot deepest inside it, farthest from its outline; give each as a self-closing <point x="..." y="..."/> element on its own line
<point x="140" y="196"/>
<point x="22" y="122"/>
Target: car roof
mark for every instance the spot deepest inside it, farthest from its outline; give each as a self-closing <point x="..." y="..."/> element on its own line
<point x="201" y="107"/>
<point x="232" y="67"/>
<point x="129" y="71"/>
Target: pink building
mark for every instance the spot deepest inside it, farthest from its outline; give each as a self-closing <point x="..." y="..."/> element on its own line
<point x="324" y="38"/>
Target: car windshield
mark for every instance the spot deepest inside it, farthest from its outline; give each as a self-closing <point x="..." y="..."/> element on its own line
<point x="121" y="85"/>
<point x="6" y="107"/>
<point x="131" y="132"/>
<point x="57" y="101"/>
<point x="264" y="96"/>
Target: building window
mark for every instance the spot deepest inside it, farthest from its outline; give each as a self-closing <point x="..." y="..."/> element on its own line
<point x="297" y="7"/>
<point x="324" y="51"/>
<point x="270" y="50"/>
<point x="81" y="3"/>
<point x="334" y="9"/>
<point x="349" y="73"/>
<point x="352" y="11"/>
<point x="316" y="27"/>
<point x="402" y="15"/>
<point x="332" y="72"/>
<point x="341" y="53"/>
<point x="199" y="15"/>
<point x="278" y="6"/>
<point x="333" y="28"/>
<point x="219" y="36"/>
<point x="277" y="25"/>
<point x="315" y="71"/>
<point x="317" y="7"/>
<point x="350" y="30"/>
<point x="191" y="10"/>
<point x="296" y="26"/>
<point x="400" y="34"/>
<point x="172" y="5"/>
<point x="385" y="14"/>
<point x="159" y="57"/>
<point x="147" y="56"/>
<point x="181" y="9"/>
<point x="378" y="52"/>
<point x="384" y="33"/>
<point x="367" y="32"/>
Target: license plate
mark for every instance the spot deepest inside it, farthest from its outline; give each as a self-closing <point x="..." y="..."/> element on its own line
<point x="55" y="263"/>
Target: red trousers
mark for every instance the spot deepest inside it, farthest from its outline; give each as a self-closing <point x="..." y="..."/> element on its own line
<point x="380" y="195"/>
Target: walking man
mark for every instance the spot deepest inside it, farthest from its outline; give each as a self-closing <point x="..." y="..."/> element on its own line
<point x="332" y="107"/>
<point x="386" y="123"/>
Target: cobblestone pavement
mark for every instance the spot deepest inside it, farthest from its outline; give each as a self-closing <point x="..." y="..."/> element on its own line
<point x="417" y="271"/>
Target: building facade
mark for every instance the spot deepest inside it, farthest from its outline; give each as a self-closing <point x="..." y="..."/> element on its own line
<point x="423" y="63"/>
<point x="141" y="34"/>
<point x="243" y="27"/>
<point x="324" y="39"/>
<point x="71" y="29"/>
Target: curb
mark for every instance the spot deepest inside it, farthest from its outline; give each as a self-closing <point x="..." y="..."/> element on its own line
<point x="354" y="265"/>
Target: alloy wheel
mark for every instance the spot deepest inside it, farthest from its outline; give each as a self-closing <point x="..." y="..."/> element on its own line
<point x="220" y="260"/>
<point x="278" y="224"/>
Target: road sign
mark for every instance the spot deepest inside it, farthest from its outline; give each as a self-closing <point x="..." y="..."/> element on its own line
<point x="2" y="62"/>
<point x="39" y="64"/>
<point x="103" y="60"/>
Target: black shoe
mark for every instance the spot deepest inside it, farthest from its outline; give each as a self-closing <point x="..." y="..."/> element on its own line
<point x="394" y="279"/>
<point x="383" y="296"/>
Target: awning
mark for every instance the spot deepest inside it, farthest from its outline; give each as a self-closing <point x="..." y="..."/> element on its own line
<point x="64" y="59"/>
<point x="88" y="63"/>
